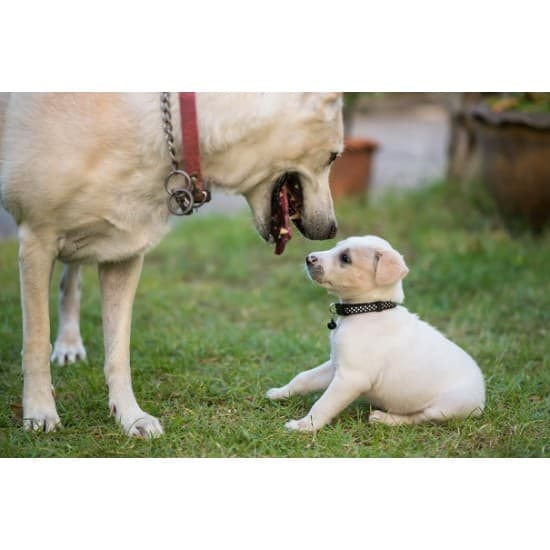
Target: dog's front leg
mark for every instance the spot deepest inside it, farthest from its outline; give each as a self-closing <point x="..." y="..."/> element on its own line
<point x="340" y="393"/>
<point x="308" y="381"/>
<point x="68" y="346"/>
<point x="35" y="269"/>
<point x="118" y="283"/>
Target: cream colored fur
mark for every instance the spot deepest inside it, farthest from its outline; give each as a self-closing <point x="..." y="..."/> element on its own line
<point x="401" y="364"/>
<point x="82" y="174"/>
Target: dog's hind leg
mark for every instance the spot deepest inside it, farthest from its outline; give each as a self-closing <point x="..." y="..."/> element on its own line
<point x="464" y="402"/>
<point x="308" y="381"/>
<point x="36" y="259"/>
<point x="68" y="346"/>
<point x="392" y="419"/>
<point x="434" y="414"/>
<point x="118" y="283"/>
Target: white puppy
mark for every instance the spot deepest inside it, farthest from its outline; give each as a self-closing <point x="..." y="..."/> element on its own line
<point x="398" y="362"/>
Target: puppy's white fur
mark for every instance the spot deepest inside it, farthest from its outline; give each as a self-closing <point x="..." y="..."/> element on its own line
<point x="82" y="174"/>
<point x="402" y="365"/>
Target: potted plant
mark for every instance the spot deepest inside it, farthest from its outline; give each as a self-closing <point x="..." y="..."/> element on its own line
<point x="350" y="173"/>
<point x="512" y="136"/>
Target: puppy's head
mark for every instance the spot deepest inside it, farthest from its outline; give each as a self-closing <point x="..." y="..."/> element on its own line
<point x="360" y="269"/>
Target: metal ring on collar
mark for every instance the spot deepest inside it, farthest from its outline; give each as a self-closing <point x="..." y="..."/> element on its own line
<point x="180" y="202"/>
<point x="186" y="176"/>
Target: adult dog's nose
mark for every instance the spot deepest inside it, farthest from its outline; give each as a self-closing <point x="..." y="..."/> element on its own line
<point x="311" y="260"/>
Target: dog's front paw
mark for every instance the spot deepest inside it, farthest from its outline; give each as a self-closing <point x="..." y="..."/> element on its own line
<point x="303" y="425"/>
<point x="40" y="415"/>
<point x="137" y="423"/>
<point x="146" y="427"/>
<point x="68" y="350"/>
<point x="277" y="393"/>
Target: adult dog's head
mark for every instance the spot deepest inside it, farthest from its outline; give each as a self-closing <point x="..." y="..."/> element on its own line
<point x="274" y="143"/>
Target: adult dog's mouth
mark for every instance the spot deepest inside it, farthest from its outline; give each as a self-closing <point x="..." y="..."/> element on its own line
<point x="287" y="202"/>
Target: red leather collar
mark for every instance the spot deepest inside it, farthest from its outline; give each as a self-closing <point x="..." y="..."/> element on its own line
<point x="190" y="137"/>
<point x="184" y="199"/>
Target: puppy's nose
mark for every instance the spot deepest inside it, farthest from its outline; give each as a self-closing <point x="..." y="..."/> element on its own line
<point x="311" y="259"/>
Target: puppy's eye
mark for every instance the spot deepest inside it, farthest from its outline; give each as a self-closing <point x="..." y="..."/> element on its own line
<point x="345" y="258"/>
<point x="333" y="157"/>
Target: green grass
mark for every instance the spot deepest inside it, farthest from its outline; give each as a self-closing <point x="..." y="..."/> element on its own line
<point x="219" y="319"/>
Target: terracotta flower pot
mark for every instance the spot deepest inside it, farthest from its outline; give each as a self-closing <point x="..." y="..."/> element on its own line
<point x="350" y="173"/>
<point x="515" y="163"/>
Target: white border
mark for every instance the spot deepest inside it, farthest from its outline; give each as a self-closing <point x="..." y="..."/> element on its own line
<point x="268" y="503"/>
<point x="286" y="45"/>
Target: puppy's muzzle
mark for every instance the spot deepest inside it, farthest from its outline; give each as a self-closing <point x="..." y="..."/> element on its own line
<point x="311" y="260"/>
<point x="314" y="267"/>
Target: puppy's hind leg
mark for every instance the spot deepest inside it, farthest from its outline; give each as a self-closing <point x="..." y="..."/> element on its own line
<point x="68" y="346"/>
<point x="118" y="283"/>
<point x="308" y="381"/>
<point x="36" y="261"/>
<point x="447" y="407"/>
<point x="392" y="419"/>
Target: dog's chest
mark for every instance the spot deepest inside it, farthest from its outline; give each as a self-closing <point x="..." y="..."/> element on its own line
<point x="111" y="239"/>
<point x="361" y="342"/>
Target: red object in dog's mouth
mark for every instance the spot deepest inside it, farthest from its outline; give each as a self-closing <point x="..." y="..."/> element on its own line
<point x="286" y="205"/>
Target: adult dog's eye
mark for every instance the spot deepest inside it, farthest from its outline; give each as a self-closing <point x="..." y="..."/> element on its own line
<point x="345" y="258"/>
<point x="333" y="157"/>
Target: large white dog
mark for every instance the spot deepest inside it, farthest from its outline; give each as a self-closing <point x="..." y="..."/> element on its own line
<point x="401" y="364"/>
<point x="82" y="174"/>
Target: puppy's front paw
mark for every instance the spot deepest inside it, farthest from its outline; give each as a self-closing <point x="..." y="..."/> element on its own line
<point x="276" y="394"/>
<point x="303" y="425"/>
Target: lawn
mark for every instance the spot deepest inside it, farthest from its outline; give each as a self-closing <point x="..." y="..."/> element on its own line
<point x="218" y="320"/>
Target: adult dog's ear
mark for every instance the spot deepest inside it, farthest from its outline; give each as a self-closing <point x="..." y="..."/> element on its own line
<point x="389" y="267"/>
<point x="329" y="98"/>
<point x="332" y="103"/>
<point x="327" y="103"/>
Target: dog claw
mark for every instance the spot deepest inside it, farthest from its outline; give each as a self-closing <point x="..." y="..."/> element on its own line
<point x="46" y="424"/>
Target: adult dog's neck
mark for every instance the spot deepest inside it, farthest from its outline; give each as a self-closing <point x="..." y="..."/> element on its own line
<point x="243" y="136"/>
<point x="229" y="123"/>
<point x="225" y="119"/>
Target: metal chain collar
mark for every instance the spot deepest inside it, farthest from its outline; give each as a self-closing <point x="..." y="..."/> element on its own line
<point x="182" y="199"/>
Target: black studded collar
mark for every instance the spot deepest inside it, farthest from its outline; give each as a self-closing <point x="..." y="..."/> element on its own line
<point x="353" y="309"/>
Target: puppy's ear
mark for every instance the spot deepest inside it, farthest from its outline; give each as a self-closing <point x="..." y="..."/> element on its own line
<point x="389" y="267"/>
